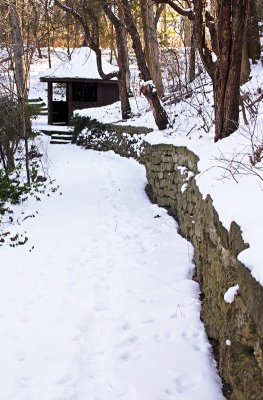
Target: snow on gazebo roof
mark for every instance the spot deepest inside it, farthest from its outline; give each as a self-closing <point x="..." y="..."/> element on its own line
<point x="82" y="65"/>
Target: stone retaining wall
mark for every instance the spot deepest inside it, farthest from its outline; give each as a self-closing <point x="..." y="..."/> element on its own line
<point x="171" y="183"/>
<point x="171" y="176"/>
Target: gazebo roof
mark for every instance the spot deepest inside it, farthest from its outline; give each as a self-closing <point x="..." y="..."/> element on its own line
<point x="83" y="65"/>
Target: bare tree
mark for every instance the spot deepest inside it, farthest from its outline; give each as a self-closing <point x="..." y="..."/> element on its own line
<point x="19" y="41"/>
<point x="147" y="88"/>
<point x="230" y="29"/>
<point x="123" y="57"/>
<point x="151" y="46"/>
<point x="21" y="55"/>
<point x="89" y="20"/>
<point x="226" y="29"/>
<point x="252" y="37"/>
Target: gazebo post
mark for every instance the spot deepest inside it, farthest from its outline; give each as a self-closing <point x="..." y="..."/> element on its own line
<point x="69" y="100"/>
<point x="50" y="103"/>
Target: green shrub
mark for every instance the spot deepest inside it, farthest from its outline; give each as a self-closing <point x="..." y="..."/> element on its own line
<point x="11" y="190"/>
<point x="79" y="123"/>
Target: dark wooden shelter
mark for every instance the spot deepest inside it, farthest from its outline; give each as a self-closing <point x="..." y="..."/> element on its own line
<point x="80" y="86"/>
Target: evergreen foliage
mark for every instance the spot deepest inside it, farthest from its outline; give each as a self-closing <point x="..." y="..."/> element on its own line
<point x="80" y="123"/>
<point x="11" y="189"/>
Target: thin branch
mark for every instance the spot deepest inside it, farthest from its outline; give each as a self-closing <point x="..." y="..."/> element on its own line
<point x="185" y="13"/>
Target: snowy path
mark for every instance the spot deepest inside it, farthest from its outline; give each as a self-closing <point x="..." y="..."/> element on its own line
<point x="103" y="307"/>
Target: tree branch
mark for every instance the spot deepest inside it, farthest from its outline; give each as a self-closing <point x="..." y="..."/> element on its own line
<point x="93" y="44"/>
<point x="185" y="13"/>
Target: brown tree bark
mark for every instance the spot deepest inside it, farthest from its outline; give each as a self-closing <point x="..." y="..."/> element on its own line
<point x="18" y="54"/>
<point x="191" y="63"/>
<point x="123" y="58"/>
<point x="47" y="18"/>
<point x="231" y="21"/>
<point x="251" y="46"/>
<point x="151" y="47"/>
<point x="245" y="65"/>
<point x="124" y="36"/>
<point x="227" y="31"/>
<point x="147" y="88"/>
<point x="252" y="37"/>
<point x="20" y="76"/>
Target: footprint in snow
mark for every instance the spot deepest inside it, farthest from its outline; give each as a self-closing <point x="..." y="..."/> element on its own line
<point x="180" y="386"/>
<point x="100" y="308"/>
<point x="159" y="338"/>
<point x="64" y="379"/>
<point x="148" y="321"/>
<point x="125" y="357"/>
<point x="190" y="334"/>
<point x="20" y="356"/>
<point x="125" y="327"/>
<point x="129" y="341"/>
<point x="183" y="384"/>
<point x="83" y="327"/>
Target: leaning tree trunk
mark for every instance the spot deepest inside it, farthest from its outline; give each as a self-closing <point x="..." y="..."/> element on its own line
<point x="148" y="89"/>
<point x="123" y="58"/>
<point x="231" y="25"/>
<point x="151" y="47"/>
<point x="123" y="64"/>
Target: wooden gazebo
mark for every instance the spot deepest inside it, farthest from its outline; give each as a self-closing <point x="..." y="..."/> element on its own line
<point x="76" y="84"/>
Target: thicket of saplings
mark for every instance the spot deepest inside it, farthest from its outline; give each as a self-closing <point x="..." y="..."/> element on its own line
<point x="14" y="186"/>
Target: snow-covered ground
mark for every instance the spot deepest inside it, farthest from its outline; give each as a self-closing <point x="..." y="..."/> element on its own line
<point x="99" y="303"/>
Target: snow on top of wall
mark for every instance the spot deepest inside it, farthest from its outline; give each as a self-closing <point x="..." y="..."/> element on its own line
<point x="83" y="64"/>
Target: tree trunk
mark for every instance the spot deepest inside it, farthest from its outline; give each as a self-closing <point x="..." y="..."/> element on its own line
<point x="245" y="65"/>
<point x="123" y="64"/>
<point x="123" y="58"/>
<point x="227" y="25"/>
<point x="164" y="26"/>
<point x="213" y="7"/>
<point x="10" y="161"/>
<point x="122" y="80"/>
<point x="18" y="52"/>
<point x="151" y="47"/>
<point x="3" y="160"/>
<point x="253" y="39"/>
<point x="231" y="22"/>
<point x="39" y="50"/>
<point x="148" y="88"/>
<point x="48" y="32"/>
<point x="191" y="64"/>
<point x="92" y="38"/>
<point x="24" y="129"/>
<point x="124" y="36"/>
<point x="20" y="75"/>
